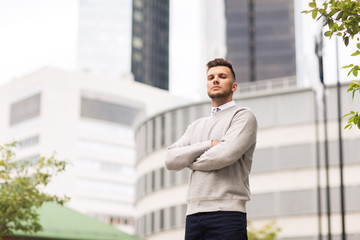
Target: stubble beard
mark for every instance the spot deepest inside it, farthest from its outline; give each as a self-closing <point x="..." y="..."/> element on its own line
<point x="218" y="95"/>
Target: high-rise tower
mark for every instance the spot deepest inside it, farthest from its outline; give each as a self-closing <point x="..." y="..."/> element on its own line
<point x="150" y="42"/>
<point x="261" y="38"/>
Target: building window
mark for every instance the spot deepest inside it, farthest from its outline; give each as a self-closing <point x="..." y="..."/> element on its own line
<point x="107" y="111"/>
<point x="106" y="149"/>
<point x="137" y="56"/>
<point x="138" y="4"/>
<point x="105" y="187"/>
<point x="137" y="43"/>
<point x="116" y="219"/>
<point x="162" y="177"/>
<point x="186" y="117"/>
<point x="28" y="142"/>
<point x="138" y="16"/>
<point x="31" y="159"/>
<point x="173" y="216"/>
<point x="101" y="128"/>
<point x="162" y="130"/>
<point x="99" y="165"/>
<point x="25" y="109"/>
<point x="153" y="141"/>
<point x="152" y="222"/>
<point x="162" y="216"/>
<point x="153" y="180"/>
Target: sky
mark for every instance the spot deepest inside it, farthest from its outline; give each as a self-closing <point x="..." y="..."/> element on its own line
<point x="39" y="33"/>
<point x="36" y="33"/>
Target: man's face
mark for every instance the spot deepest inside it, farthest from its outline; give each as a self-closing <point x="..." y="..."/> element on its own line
<point x="220" y="82"/>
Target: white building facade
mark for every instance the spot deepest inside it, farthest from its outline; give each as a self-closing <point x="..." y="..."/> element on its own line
<point x="87" y="120"/>
<point x="284" y="174"/>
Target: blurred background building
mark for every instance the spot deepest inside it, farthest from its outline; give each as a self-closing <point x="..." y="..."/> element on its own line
<point x="88" y="120"/>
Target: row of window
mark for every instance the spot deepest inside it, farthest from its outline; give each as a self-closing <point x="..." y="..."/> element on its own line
<point x="271" y="205"/>
<point x="31" y="159"/>
<point x="116" y="220"/>
<point x="96" y="165"/>
<point x="102" y="128"/>
<point x="300" y="202"/>
<point x="111" y="112"/>
<point x="303" y="156"/>
<point x="103" y="186"/>
<point x="161" y="220"/>
<point x="25" y="109"/>
<point x="28" y="142"/>
<point x="164" y="129"/>
<point x="29" y="108"/>
<point x="265" y="159"/>
<point x="106" y="149"/>
<point x="159" y="179"/>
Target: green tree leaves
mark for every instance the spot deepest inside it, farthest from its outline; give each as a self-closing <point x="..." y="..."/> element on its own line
<point x="342" y="18"/>
<point x="353" y="120"/>
<point x="20" y="190"/>
<point x="267" y="232"/>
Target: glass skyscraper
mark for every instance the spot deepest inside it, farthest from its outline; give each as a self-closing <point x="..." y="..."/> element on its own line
<point x="150" y="42"/>
<point x="260" y="38"/>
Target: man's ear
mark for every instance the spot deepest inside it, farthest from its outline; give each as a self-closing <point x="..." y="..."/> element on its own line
<point x="234" y="87"/>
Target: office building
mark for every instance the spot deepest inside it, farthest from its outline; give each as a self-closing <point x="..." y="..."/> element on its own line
<point x="89" y="121"/>
<point x="260" y="38"/>
<point x="284" y="175"/>
<point x="150" y="42"/>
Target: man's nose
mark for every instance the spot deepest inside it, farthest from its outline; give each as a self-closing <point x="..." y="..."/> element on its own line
<point x="216" y="80"/>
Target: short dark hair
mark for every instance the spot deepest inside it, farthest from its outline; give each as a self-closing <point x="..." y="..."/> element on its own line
<point x="221" y="62"/>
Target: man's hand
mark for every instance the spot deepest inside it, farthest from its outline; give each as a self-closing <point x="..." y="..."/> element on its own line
<point x="214" y="143"/>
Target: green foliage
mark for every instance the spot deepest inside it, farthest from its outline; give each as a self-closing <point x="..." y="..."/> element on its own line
<point x="342" y="17"/>
<point x="267" y="232"/>
<point x="354" y="117"/>
<point x="20" y="194"/>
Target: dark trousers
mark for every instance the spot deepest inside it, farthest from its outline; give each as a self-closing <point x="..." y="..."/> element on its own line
<point x="222" y="225"/>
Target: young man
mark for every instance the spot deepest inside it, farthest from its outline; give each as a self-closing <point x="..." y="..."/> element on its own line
<point x="218" y="149"/>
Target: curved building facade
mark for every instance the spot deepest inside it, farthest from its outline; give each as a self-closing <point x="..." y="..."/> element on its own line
<point x="287" y="186"/>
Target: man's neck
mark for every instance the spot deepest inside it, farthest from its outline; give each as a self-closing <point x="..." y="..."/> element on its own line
<point x="218" y="102"/>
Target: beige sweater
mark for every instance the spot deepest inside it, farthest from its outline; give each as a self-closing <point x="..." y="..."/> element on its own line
<point x="220" y="175"/>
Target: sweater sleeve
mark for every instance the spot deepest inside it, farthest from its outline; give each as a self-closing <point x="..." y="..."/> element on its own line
<point x="181" y="154"/>
<point x="240" y="136"/>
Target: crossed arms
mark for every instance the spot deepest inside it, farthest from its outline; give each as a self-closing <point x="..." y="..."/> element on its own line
<point x="212" y="155"/>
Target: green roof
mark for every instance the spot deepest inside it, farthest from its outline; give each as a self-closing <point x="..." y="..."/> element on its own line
<point x="60" y="222"/>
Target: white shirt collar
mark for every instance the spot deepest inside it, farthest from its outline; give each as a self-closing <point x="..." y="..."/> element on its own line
<point x="224" y="106"/>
